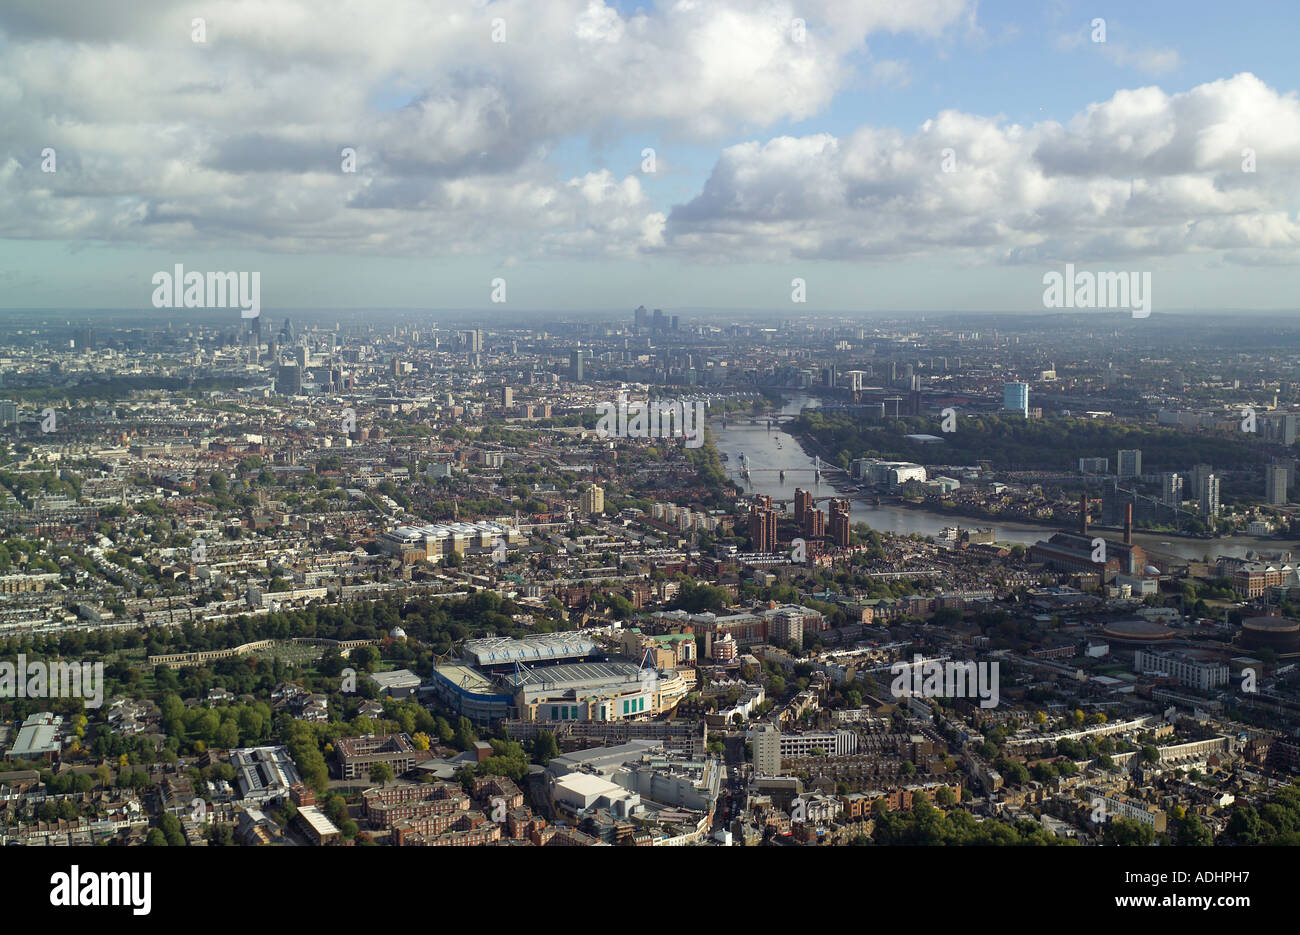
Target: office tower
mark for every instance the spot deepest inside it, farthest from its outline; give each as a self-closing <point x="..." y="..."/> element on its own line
<point x="673" y="326"/>
<point x="840" y="525"/>
<point x="85" y="339"/>
<point x="397" y="366"/>
<point x="829" y="376"/>
<point x="1094" y="465"/>
<point x="1275" y="484"/>
<point x="1209" y="496"/>
<point x="1171" y="488"/>
<point x="8" y="412"/>
<point x="1015" y="398"/>
<point x="575" y="366"/>
<point x="893" y="371"/>
<point x="507" y="397"/>
<point x="767" y="751"/>
<point x="640" y="317"/>
<point x="288" y="381"/>
<point x="593" y="500"/>
<point x="1129" y="463"/>
<point x="300" y="357"/>
<point x="657" y="321"/>
<point x="762" y="525"/>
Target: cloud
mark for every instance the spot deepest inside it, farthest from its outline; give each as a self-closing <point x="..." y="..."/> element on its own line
<point x="891" y="73"/>
<point x="162" y="140"/>
<point x="1144" y="173"/>
<point x="1149" y="61"/>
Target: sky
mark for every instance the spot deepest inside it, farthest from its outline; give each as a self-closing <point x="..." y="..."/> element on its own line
<point x="892" y="155"/>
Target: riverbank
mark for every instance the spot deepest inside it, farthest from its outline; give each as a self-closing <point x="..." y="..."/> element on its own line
<point x="767" y="461"/>
<point x="812" y="447"/>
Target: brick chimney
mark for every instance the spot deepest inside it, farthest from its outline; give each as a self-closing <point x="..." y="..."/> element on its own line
<point x="1083" y="514"/>
<point x="1128" y="524"/>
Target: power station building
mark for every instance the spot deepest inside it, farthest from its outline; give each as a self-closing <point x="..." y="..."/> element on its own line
<point x="1067" y="551"/>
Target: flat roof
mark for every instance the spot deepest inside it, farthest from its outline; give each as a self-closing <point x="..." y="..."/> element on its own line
<point x="397" y="678"/>
<point x="585" y="784"/>
<point x="469" y="679"/>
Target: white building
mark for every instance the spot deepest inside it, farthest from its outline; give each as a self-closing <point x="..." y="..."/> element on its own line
<point x="1189" y="672"/>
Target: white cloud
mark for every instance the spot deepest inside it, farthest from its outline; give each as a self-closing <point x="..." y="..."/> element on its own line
<point x="162" y="140"/>
<point x="1144" y="173"/>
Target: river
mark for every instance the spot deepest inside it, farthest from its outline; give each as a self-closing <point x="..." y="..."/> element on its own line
<point x="770" y="451"/>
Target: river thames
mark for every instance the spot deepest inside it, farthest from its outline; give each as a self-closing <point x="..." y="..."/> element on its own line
<point x="771" y="450"/>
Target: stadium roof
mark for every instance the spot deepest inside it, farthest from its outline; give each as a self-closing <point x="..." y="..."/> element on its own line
<point x="579" y="673"/>
<point x="500" y="650"/>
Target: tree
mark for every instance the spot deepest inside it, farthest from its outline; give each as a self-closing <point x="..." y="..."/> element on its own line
<point x="545" y="748"/>
<point x="170" y="826"/>
<point x="381" y="773"/>
<point x="1126" y="832"/>
<point x="465" y="735"/>
<point x="1193" y="833"/>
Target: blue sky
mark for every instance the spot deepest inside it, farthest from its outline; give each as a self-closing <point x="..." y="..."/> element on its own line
<point x="775" y="160"/>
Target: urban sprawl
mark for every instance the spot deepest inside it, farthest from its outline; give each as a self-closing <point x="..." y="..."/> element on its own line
<point x="376" y="579"/>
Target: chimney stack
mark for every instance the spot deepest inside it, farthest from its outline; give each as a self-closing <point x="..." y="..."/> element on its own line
<point x="1083" y="514"/>
<point x="1128" y="524"/>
